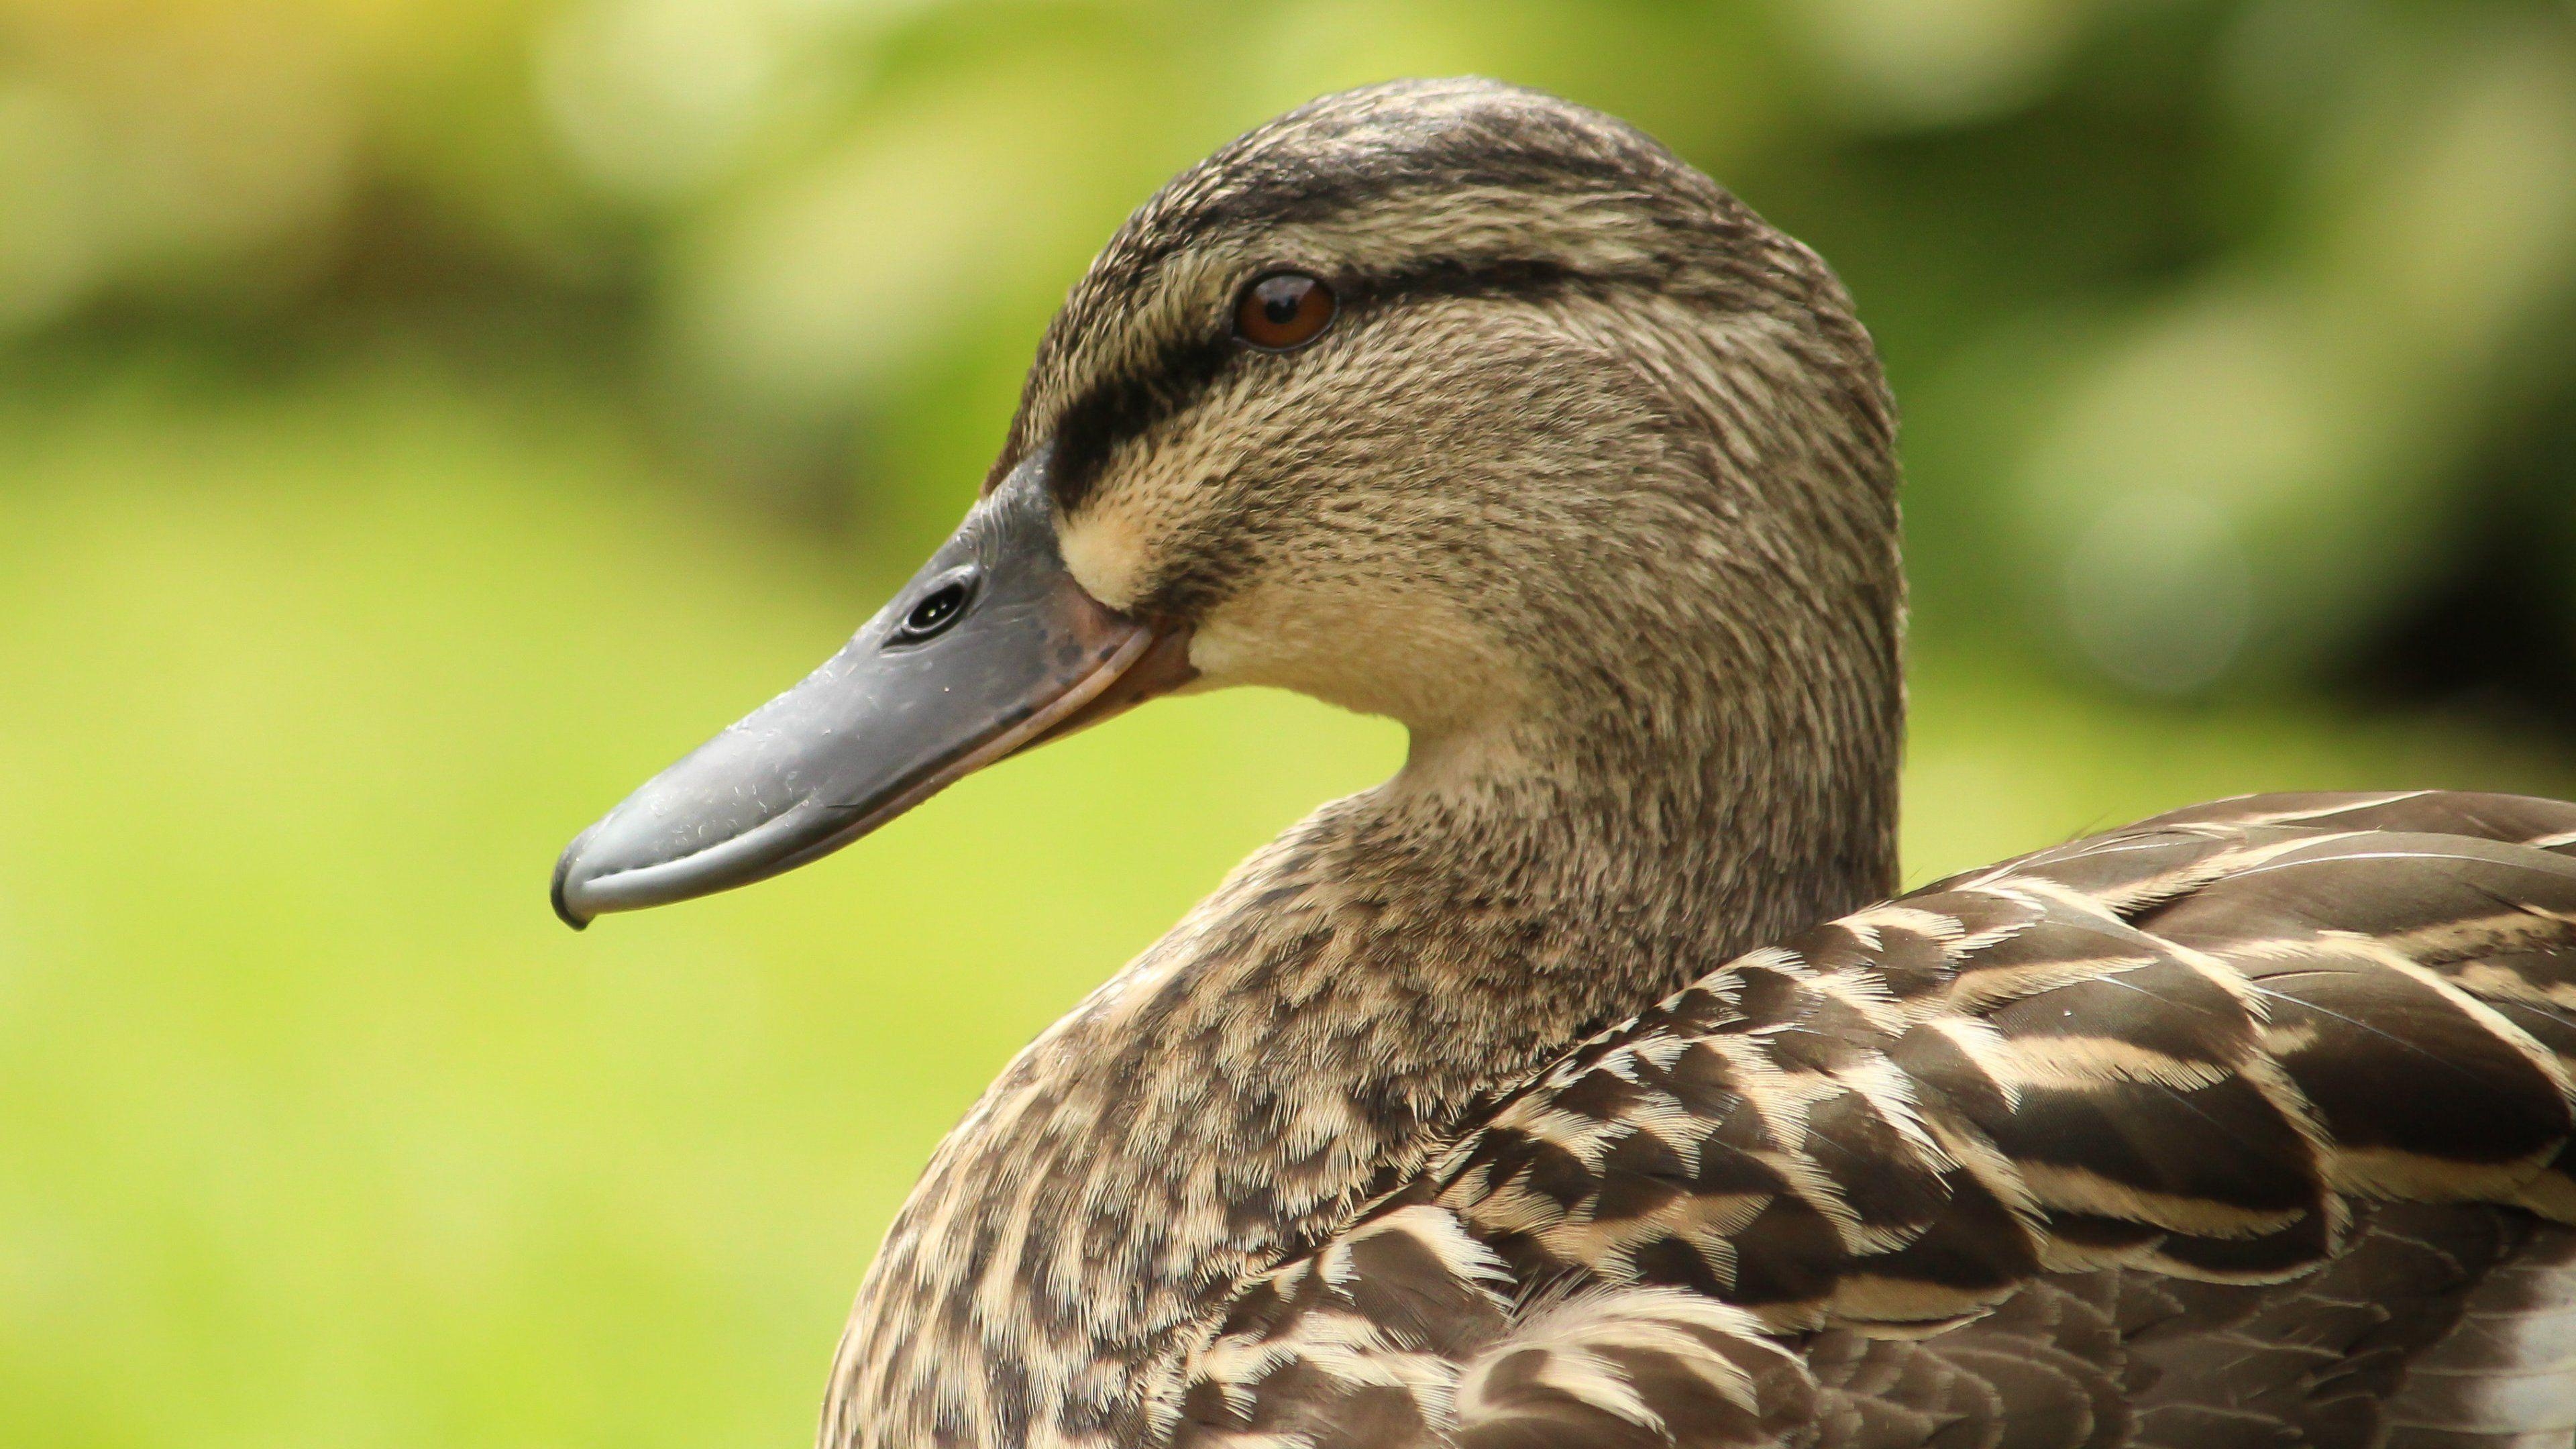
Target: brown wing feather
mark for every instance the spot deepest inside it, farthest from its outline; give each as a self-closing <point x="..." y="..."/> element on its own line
<point x="2063" y="1153"/>
<point x="2433" y="1321"/>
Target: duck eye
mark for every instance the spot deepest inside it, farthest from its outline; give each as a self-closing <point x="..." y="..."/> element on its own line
<point x="935" y="611"/>
<point x="1283" y="310"/>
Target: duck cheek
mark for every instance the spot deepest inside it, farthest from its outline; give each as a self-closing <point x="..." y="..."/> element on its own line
<point x="1105" y="552"/>
<point x="1416" y="661"/>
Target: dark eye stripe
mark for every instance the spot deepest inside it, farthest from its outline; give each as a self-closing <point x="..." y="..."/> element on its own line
<point x="1118" y="408"/>
<point x="1122" y="407"/>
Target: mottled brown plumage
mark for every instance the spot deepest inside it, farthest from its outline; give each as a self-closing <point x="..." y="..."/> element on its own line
<point x="2076" y="1151"/>
<point x="1576" y="394"/>
<point x="1523" y="1102"/>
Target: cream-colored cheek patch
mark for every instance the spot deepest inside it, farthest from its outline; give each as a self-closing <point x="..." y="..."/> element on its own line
<point x="1105" y="552"/>
<point x="1426" y="664"/>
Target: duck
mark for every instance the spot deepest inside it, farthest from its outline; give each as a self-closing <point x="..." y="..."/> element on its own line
<point x="1588" y="1084"/>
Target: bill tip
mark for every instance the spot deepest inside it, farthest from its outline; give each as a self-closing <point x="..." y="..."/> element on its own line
<point x="564" y="911"/>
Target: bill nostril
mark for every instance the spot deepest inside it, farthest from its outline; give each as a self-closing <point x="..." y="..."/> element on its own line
<point x="935" y="611"/>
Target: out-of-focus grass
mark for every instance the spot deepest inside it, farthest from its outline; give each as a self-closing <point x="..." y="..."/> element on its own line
<point x="316" y="1129"/>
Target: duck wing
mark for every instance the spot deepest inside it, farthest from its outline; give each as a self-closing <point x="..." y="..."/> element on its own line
<point x="2084" y="1149"/>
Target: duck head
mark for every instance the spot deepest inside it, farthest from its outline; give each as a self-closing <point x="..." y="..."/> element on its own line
<point x="1446" y="401"/>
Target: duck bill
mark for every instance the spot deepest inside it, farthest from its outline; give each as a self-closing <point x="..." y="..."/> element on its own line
<point x="993" y="647"/>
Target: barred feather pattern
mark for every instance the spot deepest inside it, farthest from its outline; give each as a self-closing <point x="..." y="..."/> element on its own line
<point x="2246" y="1125"/>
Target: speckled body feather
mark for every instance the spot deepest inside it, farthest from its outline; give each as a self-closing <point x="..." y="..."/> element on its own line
<point x="2240" y="1127"/>
<point x="2099" y="1101"/>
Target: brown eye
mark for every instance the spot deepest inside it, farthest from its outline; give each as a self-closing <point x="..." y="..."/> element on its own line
<point x="1283" y="310"/>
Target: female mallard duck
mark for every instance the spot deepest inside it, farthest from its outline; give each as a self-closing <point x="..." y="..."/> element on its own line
<point x="1469" y="1112"/>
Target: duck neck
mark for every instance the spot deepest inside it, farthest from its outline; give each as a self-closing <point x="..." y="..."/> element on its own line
<point x="1655" y="844"/>
<point x="1311" y="1035"/>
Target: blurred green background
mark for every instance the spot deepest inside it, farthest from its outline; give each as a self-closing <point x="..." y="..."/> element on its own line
<point x="421" y="421"/>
